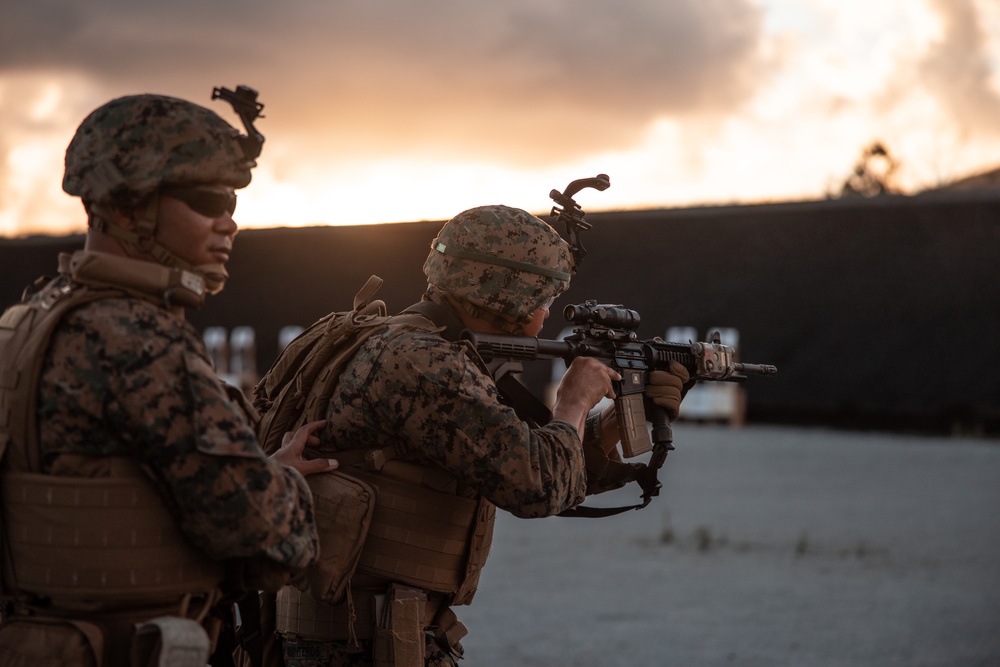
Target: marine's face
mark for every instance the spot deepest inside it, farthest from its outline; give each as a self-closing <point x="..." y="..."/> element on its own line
<point x="196" y="224"/>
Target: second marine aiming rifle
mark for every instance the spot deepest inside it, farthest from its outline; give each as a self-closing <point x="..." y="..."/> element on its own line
<point x="607" y="332"/>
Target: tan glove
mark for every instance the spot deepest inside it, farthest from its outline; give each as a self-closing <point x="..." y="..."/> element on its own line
<point x="667" y="389"/>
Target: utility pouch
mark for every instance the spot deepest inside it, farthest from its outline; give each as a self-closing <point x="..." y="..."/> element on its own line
<point x="449" y="631"/>
<point x="170" y="641"/>
<point x="35" y="641"/>
<point x="343" y="509"/>
<point x="399" y="627"/>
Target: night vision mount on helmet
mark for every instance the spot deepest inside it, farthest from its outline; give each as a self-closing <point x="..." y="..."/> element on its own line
<point x="245" y="104"/>
<point x="501" y="264"/>
<point x="568" y="212"/>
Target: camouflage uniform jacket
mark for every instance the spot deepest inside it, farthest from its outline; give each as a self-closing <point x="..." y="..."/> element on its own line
<point x="433" y="401"/>
<point x="125" y="377"/>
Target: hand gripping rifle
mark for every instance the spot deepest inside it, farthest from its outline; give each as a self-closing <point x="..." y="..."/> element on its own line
<point x="607" y="332"/>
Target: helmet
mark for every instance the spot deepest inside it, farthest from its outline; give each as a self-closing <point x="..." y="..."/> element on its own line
<point x="127" y="148"/>
<point x="499" y="258"/>
<point x="124" y="151"/>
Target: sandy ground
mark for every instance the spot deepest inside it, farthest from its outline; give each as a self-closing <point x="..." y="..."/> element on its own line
<point x="768" y="547"/>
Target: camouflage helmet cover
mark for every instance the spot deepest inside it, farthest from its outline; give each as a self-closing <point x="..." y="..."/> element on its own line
<point x="500" y="258"/>
<point x="126" y="148"/>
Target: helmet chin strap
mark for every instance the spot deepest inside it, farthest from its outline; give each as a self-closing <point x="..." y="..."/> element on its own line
<point x="514" y="327"/>
<point x="214" y="275"/>
<point x="143" y="239"/>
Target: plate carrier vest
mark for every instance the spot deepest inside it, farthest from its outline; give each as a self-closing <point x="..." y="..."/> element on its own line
<point x="98" y="541"/>
<point x="381" y="520"/>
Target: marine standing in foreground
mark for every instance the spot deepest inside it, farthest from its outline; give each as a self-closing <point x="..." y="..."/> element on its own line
<point x="418" y="415"/>
<point x="134" y="493"/>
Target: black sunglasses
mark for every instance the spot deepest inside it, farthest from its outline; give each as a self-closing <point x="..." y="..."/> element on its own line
<point x="210" y="203"/>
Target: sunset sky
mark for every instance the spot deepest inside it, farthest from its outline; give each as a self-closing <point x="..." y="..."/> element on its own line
<point x="393" y="110"/>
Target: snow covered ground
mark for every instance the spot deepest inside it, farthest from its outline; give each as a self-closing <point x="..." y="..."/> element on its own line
<point x="768" y="546"/>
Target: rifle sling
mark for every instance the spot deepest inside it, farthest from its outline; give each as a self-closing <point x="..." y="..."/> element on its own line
<point x="527" y="406"/>
<point x="648" y="482"/>
<point x="442" y="316"/>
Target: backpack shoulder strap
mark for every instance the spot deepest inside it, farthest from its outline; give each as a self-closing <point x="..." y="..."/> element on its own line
<point x="300" y="383"/>
<point x="25" y="332"/>
<point x="441" y="316"/>
<point x="297" y="387"/>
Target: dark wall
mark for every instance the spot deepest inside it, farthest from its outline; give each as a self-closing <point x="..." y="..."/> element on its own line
<point x="881" y="313"/>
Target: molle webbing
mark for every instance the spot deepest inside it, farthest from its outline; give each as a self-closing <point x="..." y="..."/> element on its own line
<point x="299" y="615"/>
<point x="419" y="536"/>
<point x="101" y="538"/>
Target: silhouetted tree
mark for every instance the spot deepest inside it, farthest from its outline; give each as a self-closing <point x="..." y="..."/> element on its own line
<point x="873" y="174"/>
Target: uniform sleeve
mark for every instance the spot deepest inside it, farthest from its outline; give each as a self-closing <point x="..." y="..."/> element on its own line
<point x="146" y="379"/>
<point x="450" y="414"/>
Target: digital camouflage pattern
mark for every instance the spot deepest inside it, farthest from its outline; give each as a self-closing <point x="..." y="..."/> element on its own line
<point x="500" y="258"/>
<point x="126" y="148"/>
<point x="125" y="378"/>
<point x="430" y="399"/>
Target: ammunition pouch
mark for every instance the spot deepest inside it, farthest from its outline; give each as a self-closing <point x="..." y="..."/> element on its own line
<point x="26" y="642"/>
<point x="127" y="637"/>
<point x="399" y="628"/>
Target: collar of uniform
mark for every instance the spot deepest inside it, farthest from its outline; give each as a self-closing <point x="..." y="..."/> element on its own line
<point x="171" y="286"/>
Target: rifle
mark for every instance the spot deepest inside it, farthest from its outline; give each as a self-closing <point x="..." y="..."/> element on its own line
<point x="608" y="332"/>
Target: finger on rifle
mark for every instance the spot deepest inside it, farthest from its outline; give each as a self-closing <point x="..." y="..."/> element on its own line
<point x="661" y="381"/>
<point x="678" y="369"/>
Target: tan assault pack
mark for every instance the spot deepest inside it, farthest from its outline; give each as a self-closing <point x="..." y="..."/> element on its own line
<point x="296" y="390"/>
<point x="380" y="517"/>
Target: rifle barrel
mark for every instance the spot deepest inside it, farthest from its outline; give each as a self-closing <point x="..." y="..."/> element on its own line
<point x="756" y="369"/>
